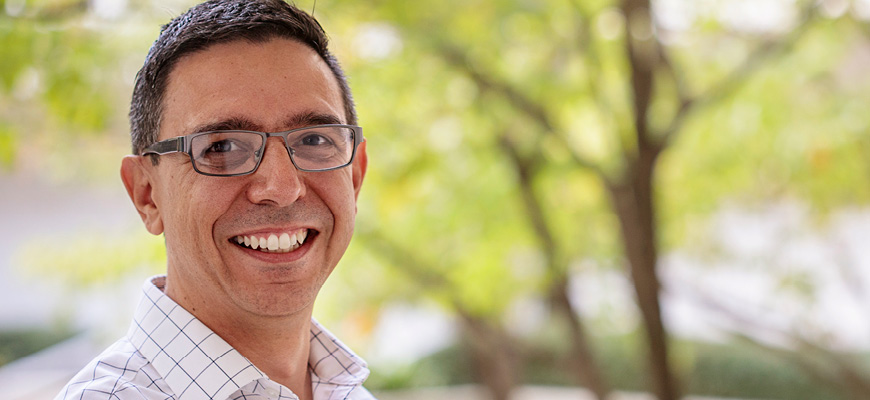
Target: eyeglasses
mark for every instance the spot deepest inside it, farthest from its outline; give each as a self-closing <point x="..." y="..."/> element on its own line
<point x="234" y="153"/>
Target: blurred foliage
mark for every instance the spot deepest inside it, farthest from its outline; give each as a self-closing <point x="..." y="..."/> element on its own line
<point x="7" y="147"/>
<point x="441" y="216"/>
<point x="65" y="79"/>
<point x="739" y="371"/>
<point x="732" y="370"/>
<point x="798" y="128"/>
<point x="17" y="344"/>
<point x="91" y="259"/>
<point x="450" y="366"/>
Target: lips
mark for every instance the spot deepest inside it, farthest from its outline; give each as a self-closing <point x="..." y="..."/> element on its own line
<point x="274" y="242"/>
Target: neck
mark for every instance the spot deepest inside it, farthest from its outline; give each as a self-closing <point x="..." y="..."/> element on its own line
<point x="279" y="348"/>
<point x="277" y="345"/>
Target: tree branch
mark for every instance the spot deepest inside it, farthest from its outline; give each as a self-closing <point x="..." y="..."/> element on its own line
<point x="524" y="171"/>
<point x="589" y="372"/>
<point x="592" y="59"/>
<point x="812" y="369"/>
<point x="740" y="75"/>
<point x="494" y="349"/>
<point x="675" y="74"/>
<point x="640" y="53"/>
<point x="396" y="254"/>
<point x="846" y="376"/>
<point x="459" y="59"/>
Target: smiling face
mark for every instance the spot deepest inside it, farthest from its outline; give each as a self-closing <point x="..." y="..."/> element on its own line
<point x="211" y="223"/>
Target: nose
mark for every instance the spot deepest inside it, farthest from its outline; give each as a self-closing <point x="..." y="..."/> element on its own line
<point x="276" y="181"/>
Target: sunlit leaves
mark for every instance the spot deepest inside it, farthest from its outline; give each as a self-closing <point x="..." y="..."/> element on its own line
<point x="794" y="131"/>
<point x="62" y="65"/>
<point x="65" y="84"/>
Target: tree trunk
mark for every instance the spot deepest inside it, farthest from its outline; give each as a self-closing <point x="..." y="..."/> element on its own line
<point x="494" y="356"/>
<point x="634" y="207"/>
<point x="632" y="195"/>
<point x="588" y="372"/>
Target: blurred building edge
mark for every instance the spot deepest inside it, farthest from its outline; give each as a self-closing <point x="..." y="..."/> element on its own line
<point x="43" y="374"/>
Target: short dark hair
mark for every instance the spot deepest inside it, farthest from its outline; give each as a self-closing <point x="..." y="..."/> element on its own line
<point x="214" y="22"/>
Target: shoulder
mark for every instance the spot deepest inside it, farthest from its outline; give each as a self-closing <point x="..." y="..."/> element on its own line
<point x="121" y="373"/>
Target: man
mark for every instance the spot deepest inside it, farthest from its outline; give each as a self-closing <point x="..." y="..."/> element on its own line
<point x="254" y="222"/>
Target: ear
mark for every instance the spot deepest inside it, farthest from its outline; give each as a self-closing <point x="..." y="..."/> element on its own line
<point x="138" y="180"/>
<point x="360" y="163"/>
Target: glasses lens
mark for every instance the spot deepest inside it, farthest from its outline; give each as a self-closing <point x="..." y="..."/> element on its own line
<point x="322" y="147"/>
<point x="226" y="153"/>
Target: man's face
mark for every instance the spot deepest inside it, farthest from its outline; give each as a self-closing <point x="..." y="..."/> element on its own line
<point x="273" y="86"/>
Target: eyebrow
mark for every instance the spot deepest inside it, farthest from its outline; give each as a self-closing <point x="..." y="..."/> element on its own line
<point x="230" y="124"/>
<point x="311" y="118"/>
<point x="243" y="124"/>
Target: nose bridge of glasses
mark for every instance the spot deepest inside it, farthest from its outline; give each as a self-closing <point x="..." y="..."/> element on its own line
<point x="280" y="140"/>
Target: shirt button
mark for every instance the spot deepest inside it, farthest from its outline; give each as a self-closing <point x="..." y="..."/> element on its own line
<point x="272" y="393"/>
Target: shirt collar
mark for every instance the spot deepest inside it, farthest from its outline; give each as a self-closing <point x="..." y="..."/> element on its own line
<point x="179" y="346"/>
<point x="331" y="362"/>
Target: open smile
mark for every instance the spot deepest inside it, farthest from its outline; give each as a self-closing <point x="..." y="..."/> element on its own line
<point x="275" y="242"/>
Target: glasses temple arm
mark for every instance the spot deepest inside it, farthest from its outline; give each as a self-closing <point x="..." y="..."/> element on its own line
<point x="167" y="146"/>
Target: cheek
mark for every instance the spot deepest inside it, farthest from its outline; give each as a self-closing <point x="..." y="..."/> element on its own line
<point x="344" y="212"/>
<point x="195" y="206"/>
<point x="341" y="200"/>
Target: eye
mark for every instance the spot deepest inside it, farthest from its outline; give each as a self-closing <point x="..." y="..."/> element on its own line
<point x="315" y="139"/>
<point x="225" y="152"/>
<point x="222" y="146"/>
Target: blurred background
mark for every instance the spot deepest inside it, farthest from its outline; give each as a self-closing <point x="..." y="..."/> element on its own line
<point x="565" y="199"/>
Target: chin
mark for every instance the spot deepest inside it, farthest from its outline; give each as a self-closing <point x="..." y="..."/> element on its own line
<point x="280" y="300"/>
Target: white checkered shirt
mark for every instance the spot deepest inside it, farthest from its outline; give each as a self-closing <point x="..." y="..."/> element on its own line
<point x="169" y="354"/>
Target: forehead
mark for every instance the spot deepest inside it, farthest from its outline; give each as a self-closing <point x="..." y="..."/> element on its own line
<point x="267" y="83"/>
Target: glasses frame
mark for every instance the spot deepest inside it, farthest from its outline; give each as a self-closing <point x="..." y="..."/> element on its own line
<point x="182" y="144"/>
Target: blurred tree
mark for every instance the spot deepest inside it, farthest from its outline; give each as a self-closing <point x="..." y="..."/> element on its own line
<point x="566" y="96"/>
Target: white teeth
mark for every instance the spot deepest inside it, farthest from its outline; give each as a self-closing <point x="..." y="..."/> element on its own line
<point x="285" y="241"/>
